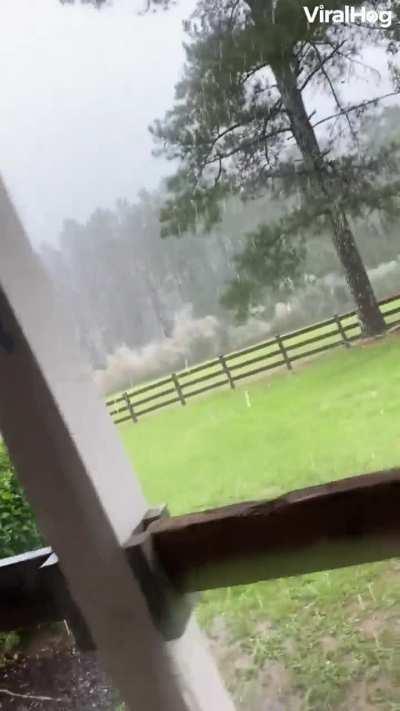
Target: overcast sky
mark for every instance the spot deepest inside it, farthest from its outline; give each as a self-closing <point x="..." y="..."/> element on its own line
<point x="78" y="90"/>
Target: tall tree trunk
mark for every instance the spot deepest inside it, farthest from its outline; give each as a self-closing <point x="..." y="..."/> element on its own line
<point x="325" y="183"/>
<point x="165" y="323"/>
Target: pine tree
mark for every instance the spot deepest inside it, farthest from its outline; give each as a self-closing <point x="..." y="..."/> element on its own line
<point x="240" y="125"/>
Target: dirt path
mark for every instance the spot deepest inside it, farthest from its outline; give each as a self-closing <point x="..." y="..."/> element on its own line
<point x="55" y="681"/>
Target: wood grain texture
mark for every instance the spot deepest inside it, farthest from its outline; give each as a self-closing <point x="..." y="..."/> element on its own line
<point x="351" y="521"/>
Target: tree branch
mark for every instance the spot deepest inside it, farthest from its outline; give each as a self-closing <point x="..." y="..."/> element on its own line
<point x="334" y="92"/>
<point x="323" y="61"/>
<point x="356" y="107"/>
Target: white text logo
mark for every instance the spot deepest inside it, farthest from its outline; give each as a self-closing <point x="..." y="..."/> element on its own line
<point x="349" y="14"/>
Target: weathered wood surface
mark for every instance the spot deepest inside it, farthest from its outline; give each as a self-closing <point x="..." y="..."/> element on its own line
<point x="24" y="595"/>
<point x="351" y="521"/>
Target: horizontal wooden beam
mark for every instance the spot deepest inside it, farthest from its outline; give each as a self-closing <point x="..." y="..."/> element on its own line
<point x="33" y="591"/>
<point x="24" y="597"/>
<point x="346" y="522"/>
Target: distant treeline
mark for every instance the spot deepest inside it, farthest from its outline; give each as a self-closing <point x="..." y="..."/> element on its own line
<point x="124" y="285"/>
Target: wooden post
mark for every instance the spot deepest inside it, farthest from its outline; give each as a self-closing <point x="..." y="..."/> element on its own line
<point x="178" y="388"/>
<point x="227" y="371"/>
<point x="130" y="407"/>
<point x="342" y="332"/>
<point x="82" y="489"/>
<point x="284" y="352"/>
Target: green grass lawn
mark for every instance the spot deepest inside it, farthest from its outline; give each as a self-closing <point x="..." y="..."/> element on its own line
<point x="329" y="640"/>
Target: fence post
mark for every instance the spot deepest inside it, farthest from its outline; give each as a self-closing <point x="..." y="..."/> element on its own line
<point x="130" y="407"/>
<point x="178" y="388"/>
<point x="342" y="332"/>
<point x="226" y="370"/>
<point x="284" y="351"/>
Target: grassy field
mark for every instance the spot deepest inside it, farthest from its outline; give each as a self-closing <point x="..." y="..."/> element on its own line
<point x="323" y="641"/>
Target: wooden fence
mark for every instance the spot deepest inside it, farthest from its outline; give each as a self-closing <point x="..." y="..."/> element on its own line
<point x="279" y="351"/>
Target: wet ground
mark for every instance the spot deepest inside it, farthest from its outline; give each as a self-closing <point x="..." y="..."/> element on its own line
<point x="49" y="675"/>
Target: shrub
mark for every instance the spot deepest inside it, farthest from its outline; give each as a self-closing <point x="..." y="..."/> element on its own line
<point x="18" y="530"/>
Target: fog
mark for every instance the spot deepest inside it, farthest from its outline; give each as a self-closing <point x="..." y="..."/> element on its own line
<point x="193" y="340"/>
<point x="78" y="90"/>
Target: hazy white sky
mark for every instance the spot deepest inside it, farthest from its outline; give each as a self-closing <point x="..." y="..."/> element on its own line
<point x="78" y="90"/>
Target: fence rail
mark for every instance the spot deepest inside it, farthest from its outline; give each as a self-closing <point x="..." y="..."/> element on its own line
<point x="276" y="352"/>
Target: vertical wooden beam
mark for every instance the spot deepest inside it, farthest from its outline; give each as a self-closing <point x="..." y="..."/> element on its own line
<point x="130" y="407"/>
<point x="86" y="498"/>
<point x="178" y="388"/>
<point x="342" y="332"/>
<point x="227" y="372"/>
<point x="284" y="352"/>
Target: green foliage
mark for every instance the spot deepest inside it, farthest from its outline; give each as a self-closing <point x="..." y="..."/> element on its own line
<point x="18" y="530"/>
<point x="240" y="295"/>
<point x="196" y="210"/>
<point x="271" y="261"/>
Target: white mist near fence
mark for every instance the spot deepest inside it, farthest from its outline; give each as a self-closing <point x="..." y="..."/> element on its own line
<point x="128" y="366"/>
<point x="195" y="340"/>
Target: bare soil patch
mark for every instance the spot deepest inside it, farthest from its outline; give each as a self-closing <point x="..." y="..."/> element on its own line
<point x="56" y="678"/>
